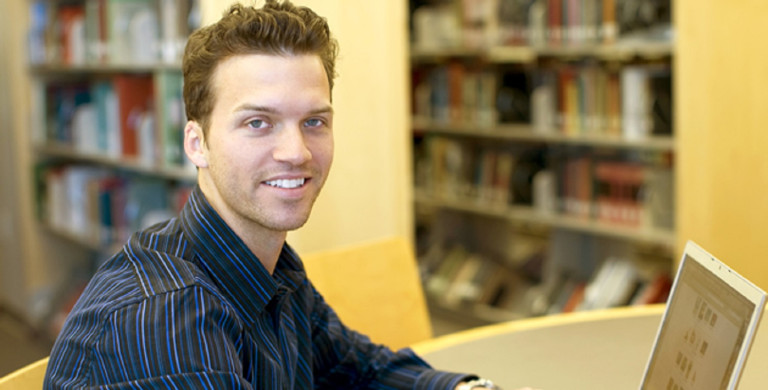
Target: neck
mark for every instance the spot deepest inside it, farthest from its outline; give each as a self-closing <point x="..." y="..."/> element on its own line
<point x="266" y="244"/>
<point x="266" y="248"/>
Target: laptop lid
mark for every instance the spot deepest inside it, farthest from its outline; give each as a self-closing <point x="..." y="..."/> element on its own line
<point x="707" y="328"/>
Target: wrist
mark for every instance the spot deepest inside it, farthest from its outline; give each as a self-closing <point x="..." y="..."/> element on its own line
<point x="478" y="383"/>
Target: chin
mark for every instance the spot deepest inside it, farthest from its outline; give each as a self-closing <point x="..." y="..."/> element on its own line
<point x="288" y="225"/>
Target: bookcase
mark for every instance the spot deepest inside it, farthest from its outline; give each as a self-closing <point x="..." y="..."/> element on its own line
<point x="544" y="150"/>
<point x="107" y="115"/>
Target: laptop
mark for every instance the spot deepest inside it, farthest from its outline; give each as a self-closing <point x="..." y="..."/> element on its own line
<point x="707" y="328"/>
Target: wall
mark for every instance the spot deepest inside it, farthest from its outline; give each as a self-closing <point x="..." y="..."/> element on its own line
<point x="368" y="193"/>
<point x="10" y="253"/>
<point x="722" y="91"/>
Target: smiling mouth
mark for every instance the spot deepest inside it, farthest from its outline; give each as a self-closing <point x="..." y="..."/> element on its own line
<point x="286" y="183"/>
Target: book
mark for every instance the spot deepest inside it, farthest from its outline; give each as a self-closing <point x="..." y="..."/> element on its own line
<point x="575" y="298"/>
<point x="613" y="285"/>
<point x="439" y="282"/>
<point x="147" y="139"/>
<point x="514" y="22"/>
<point x="619" y="189"/>
<point x="133" y="31"/>
<point x="544" y="102"/>
<point x="135" y="98"/>
<point x="653" y="291"/>
<point x="485" y="107"/>
<point x="609" y="27"/>
<point x="455" y="72"/>
<point x="632" y="22"/>
<point x="635" y="103"/>
<point x="545" y="192"/>
<point x="61" y="104"/>
<point x="495" y="286"/>
<point x="72" y="39"/>
<point x="108" y="137"/>
<point x="591" y="17"/>
<point x="659" y="196"/>
<point x="145" y="196"/>
<point x="174" y="28"/>
<point x="613" y="105"/>
<point x="422" y="94"/>
<point x="463" y="287"/>
<point x="554" y="22"/>
<point x="68" y="202"/>
<point x="537" y="23"/>
<point x="577" y="100"/>
<point x="85" y="129"/>
<point x="40" y="17"/>
<point x="578" y="187"/>
<point x="502" y="178"/>
<point x="440" y="96"/>
<point x="479" y="25"/>
<point x="96" y="31"/>
<point x="485" y="175"/>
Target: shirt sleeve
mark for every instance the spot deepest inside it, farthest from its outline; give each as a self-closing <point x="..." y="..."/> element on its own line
<point x="343" y="356"/>
<point x="165" y="342"/>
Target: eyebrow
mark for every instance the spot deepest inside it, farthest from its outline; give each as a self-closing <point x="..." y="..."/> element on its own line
<point x="250" y="107"/>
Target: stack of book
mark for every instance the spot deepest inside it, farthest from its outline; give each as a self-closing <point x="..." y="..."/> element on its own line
<point x="123" y="32"/>
<point x="101" y="207"/>
<point x="117" y="117"/>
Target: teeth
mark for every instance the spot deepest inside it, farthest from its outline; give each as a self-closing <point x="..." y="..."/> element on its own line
<point x="286" y="183"/>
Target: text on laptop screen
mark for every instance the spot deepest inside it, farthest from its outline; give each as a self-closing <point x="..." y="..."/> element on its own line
<point x="700" y="341"/>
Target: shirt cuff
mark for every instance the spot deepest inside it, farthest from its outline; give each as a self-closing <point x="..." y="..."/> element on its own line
<point x="441" y="380"/>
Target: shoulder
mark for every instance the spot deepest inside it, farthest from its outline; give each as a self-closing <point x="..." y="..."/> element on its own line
<point x="153" y="263"/>
<point x="139" y="298"/>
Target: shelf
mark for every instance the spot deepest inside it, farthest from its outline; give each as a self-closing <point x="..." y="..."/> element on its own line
<point x="501" y="54"/>
<point x="527" y="133"/>
<point x="48" y="70"/>
<point x="86" y="242"/>
<point x="471" y="314"/>
<point x="168" y="172"/>
<point x="620" y="51"/>
<point x="526" y="214"/>
<point x="91" y="244"/>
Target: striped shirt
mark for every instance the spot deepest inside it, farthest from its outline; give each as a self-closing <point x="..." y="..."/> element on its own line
<point x="186" y="305"/>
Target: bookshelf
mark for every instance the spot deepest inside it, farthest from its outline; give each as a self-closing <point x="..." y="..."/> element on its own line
<point x="107" y="115"/>
<point x="544" y="151"/>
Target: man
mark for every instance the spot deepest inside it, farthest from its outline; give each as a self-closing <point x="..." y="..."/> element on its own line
<point x="215" y="298"/>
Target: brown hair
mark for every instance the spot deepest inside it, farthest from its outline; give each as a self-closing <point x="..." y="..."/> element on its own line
<point x="278" y="28"/>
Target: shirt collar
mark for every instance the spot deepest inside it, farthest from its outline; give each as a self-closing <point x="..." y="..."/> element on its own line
<point x="235" y="270"/>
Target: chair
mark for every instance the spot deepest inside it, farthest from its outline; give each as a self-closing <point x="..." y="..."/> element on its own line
<point x="28" y="377"/>
<point x="375" y="289"/>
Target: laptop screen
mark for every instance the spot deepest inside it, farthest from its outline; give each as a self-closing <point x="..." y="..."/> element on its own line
<point x="702" y="337"/>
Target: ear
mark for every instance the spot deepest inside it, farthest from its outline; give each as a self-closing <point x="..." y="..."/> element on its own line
<point x="194" y="144"/>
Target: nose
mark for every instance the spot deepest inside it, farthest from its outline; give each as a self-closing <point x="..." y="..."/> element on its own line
<point x="291" y="146"/>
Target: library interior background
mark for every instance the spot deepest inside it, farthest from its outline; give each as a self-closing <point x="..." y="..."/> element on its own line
<point x="541" y="156"/>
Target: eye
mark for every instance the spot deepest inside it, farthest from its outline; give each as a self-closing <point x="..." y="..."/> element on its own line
<point x="314" y="122"/>
<point x="257" y="124"/>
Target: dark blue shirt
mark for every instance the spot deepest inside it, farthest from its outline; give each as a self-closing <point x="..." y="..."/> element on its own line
<point x="186" y="305"/>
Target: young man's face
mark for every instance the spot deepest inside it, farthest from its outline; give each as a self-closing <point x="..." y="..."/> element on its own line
<point x="269" y="147"/>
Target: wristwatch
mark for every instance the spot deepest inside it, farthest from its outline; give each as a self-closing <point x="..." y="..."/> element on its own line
<point x="478" y="383"/>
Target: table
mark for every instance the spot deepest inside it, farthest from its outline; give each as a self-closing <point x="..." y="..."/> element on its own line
<point x="605" y="349"/>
